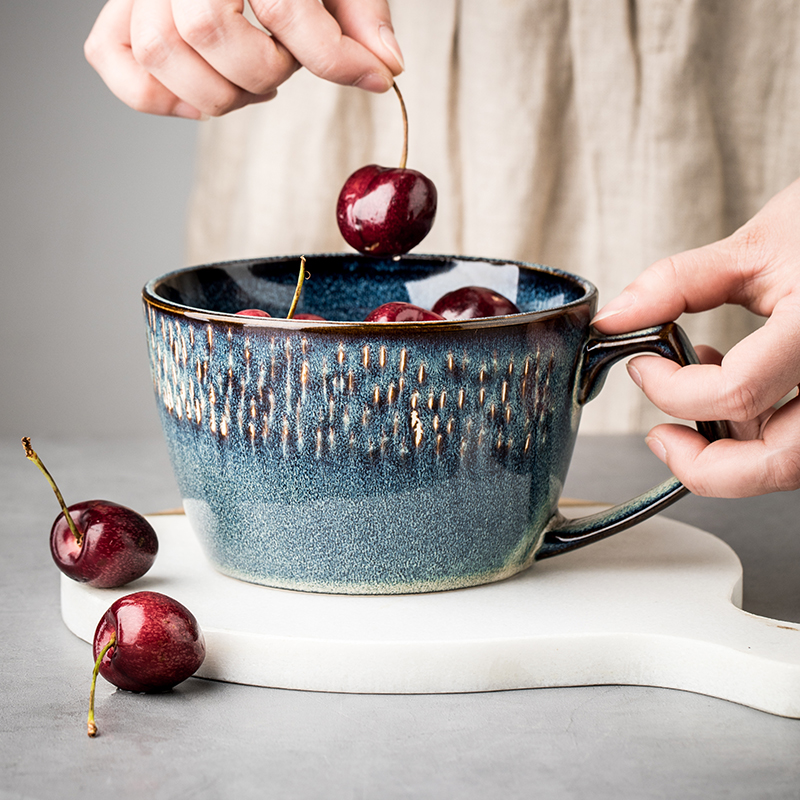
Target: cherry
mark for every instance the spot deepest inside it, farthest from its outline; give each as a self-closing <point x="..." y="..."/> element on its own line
<point x="252" y="312"/>
<point x="471" y="302"/>
<point x="98" y="542"/>
<point x="399" y="311"/>
<point x="257" y="312"/>
<point x="385" y="211"/>
<point x="145" y="642"/>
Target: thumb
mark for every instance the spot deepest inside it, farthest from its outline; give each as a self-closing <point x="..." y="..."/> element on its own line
<point x="694" y="280"/>
<point x="369" y="22"/>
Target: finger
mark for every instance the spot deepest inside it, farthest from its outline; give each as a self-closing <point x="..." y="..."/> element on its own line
<point x="754" y="375"/>
<point x="248" y="57"/>
<point x="748" y="429"/>
<point x="316" y="40"/>
<point x="736" y="430"/>
<point x="108" y="50"/>
<point x="753" y="267"/>
<point x="729" y="468"/>
<point x="358" y="18"/>
<point x="159" y="49"/>
<point x="695" y="280"/>
<point x="708" y="355"/>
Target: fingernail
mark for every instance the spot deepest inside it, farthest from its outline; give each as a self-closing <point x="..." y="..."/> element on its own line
<point x="636" y="376"/>
<point x="374" y="82"/>
<point x="185" y="111"/>
<point x="616" y="306"/>
<point x="656" y="447"/>
<point x="389" y="40"/>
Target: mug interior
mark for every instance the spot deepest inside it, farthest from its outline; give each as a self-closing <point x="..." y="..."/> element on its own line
<point x="345" y="287"/>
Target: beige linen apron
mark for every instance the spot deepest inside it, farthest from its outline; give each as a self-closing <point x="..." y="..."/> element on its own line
<point x="591" y="135"/>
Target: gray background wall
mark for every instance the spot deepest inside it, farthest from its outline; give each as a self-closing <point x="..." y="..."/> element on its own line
<point x="92" y="205"/>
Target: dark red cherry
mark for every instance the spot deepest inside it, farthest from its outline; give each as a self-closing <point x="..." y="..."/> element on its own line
<point x="117" y="545"/>
<point x="471" y="302"/>
<point x="98" y="542"/>
<point x="401" y="312"/>
<point x="257" y="312"/>
<point x="146" y="642"/>
<point x="158" y="643"/>
<point x="252" y="312"/>
<point x="386" y="211"/>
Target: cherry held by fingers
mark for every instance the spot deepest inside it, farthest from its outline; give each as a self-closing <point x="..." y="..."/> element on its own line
<point x="98" y="542"/>
<point x="145" y="642"/>
<point x="385" y="211"/>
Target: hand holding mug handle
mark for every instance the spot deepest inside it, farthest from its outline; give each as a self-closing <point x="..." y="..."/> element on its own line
<point x="754" y="385"/>
<point x="755" y="267"/>
<point x="600" y="352"/>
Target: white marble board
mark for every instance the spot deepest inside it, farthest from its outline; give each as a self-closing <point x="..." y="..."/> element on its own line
<point x="656" y="605"/>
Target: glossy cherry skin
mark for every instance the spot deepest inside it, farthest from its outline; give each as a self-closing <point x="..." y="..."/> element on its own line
<point x="252" y="312"/>
<point x="257" y="312"/>
<point x="471" y="302"/>
<point x="385" y="211"/>
<point x="118" y="545"/>
<point x="399" y="311"/>
<point x="158" y="643"/>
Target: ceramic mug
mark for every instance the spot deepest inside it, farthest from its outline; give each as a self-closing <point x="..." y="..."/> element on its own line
<point x="372" y="458"/>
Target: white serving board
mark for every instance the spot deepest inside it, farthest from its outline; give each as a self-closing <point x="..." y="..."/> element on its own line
<point x="657" y="605"/>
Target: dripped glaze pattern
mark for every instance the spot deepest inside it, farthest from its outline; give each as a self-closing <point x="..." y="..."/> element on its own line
<point x="368" y="458"/>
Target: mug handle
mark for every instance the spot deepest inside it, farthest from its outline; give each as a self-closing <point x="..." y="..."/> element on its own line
<point x="669" y="341"/>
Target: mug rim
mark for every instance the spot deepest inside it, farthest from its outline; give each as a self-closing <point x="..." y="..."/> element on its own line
<point x="150" y="296"/>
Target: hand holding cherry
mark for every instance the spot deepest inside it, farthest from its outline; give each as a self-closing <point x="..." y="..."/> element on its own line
<point x="162" y="59"/>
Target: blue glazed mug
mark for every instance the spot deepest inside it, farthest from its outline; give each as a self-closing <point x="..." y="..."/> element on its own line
<point x="378" y="458"/>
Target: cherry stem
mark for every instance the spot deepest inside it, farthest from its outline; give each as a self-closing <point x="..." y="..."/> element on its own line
<point x="404" y="156"/>
<point x="31" y="455"/>
<point x="91" y="726"/>
<point x="300" y="278"/>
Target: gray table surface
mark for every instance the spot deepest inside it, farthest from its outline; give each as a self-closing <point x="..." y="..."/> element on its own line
<point x="208" y="739"/>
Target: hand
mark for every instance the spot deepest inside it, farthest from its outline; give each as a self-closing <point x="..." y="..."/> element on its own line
<point x="199" y="58"/>
<point x="757" y="267"/>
